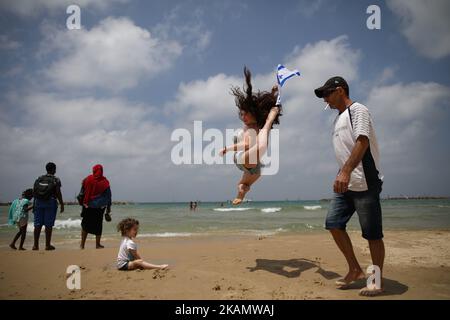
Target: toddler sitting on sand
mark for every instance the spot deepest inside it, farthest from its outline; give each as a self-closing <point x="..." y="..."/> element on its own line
<point x="128" y="257"/>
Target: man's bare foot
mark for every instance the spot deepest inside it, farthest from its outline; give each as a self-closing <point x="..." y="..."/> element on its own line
<point x="50" y="248"/>
<point x="81" y="247"/>
<point x="242" y="191"/>
<point x="35" y="248"/>
<point x="12" y="246"/>
<point x="366" y="292"/>
<point x="99" y="246"/>
<point x="22" y="249"/>
<point x="349" y="279"/>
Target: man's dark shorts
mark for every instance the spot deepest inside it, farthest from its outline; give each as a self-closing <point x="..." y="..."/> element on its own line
<point x="45" y="212"/>
<point x="365" y="203"/>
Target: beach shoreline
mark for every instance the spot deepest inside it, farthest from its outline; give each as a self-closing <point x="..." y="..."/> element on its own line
<point x="302" y="266"/>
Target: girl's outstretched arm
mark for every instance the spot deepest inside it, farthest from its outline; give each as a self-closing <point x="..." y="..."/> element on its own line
<point x="243" y="145"/>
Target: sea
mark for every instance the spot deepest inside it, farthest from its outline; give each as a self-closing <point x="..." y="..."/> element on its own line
<point x="258" y="218"/>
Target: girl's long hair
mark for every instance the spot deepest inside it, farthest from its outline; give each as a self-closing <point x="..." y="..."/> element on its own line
<point x="257" y="104"/>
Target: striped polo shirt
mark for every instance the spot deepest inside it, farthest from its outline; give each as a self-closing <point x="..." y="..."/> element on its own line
<point x="356" y="121"/>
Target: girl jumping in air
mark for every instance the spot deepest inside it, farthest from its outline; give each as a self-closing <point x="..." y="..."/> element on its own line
<point x="258" y="111"/>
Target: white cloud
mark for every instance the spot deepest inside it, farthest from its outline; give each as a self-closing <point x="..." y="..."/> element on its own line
<point x="114" y="55"/>
<point x="76" y="134"/>
<point x="187" y="26"/>
<point x="7" y="44"/>
<point x="411" y="120"/>
<point x="425" y="24"/>
<point x="400" y="104"/>
<point x="29" y="8"/>
<point x="205" y="100"/>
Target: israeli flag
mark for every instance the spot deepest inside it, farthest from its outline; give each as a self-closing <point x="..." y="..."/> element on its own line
<point x="283" y="74"/>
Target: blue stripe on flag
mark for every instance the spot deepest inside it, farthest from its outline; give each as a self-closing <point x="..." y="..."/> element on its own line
<point x="288" y="77"/>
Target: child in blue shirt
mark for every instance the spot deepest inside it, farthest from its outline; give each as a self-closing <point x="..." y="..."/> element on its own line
<point x="18" y="215"/>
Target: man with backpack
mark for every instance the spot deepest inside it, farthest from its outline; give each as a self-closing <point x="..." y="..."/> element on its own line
<point x="47" y="191"/>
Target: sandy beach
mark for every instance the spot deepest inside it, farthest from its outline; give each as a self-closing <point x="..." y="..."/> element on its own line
<point x="303" y="266"/>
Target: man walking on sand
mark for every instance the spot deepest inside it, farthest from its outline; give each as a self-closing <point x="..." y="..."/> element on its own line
<point x="358" y="183"/>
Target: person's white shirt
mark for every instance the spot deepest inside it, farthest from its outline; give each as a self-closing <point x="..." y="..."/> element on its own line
<point x="356" y="121"/>
<point x="125" y="255"/>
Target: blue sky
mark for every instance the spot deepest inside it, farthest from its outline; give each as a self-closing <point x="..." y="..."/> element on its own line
<point x="113" y="92"/>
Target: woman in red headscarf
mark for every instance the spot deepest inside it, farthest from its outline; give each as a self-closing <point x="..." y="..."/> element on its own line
<point x="96" y="199"/>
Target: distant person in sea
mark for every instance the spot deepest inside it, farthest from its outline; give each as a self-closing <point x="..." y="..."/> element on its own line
<point x="258" y="112"/>
<point x="18" y="215"/>
<point x="191" y="205"/>
<point x="128" y="257"/>
<point x="95" y="198"/>
<point x="46" y="191"/>
<point x="358" y="183"/>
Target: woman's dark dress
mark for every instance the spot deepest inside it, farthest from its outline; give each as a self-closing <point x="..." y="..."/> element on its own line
<point x="93" y="215"/>
<point x="92" y="220"/>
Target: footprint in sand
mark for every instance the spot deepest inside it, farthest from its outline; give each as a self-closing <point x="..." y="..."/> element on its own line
<point x="159" y="274"/>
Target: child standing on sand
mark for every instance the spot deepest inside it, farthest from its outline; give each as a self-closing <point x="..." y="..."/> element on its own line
<point x="18" y="215"/>
<point x="128" y="257"/>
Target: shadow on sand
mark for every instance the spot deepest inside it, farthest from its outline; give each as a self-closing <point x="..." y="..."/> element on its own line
<point x="293" y="268"/>
<point x="297" y="266"/>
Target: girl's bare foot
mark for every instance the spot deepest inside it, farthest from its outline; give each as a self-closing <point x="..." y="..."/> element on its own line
<point x="163" y="266"/>
<point x="242" y="191"/>
<point x="12" y="246"/>
<point x="236" y="201"/>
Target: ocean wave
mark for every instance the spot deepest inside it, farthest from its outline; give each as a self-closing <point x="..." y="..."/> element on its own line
<point x="60" y="224"/>
<point x="312" y="207"/>
<point x="165" y="235"/>
<point x="270" y="210"/>
<point x="231" y="209"/>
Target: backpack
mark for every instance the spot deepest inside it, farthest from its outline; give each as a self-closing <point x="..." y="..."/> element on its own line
<point x="44" y="187"/>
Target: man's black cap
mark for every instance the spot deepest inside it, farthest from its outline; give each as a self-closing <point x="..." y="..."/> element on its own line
<point x="331" y="83"/>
